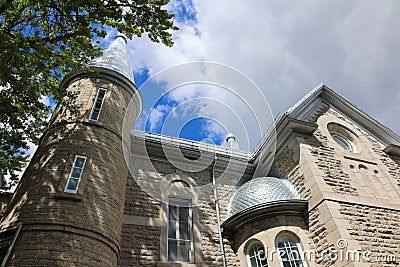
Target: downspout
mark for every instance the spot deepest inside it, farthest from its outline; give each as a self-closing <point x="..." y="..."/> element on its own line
<point x="216" y="202"/>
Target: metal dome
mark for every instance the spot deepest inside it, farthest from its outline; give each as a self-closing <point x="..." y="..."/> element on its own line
<point x="261" y="190"/>
<point x="116" y="58"/>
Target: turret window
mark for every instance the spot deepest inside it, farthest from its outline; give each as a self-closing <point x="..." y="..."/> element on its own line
<point x="98" y="103"/>
<point x="75" y="174"/>
<point x="289" y="251"/>
<point x="256" y="256"/>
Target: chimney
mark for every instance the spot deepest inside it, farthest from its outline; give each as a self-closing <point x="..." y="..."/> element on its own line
<point x="230" y="139"/>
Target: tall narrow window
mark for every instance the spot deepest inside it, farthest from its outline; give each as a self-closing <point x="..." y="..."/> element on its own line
<point x="180" y="245"/>
<point x="289" y="251"/>
<point x="75" y="174"/>
<point x="98" y="103"/>
<point x="256" y="256"/>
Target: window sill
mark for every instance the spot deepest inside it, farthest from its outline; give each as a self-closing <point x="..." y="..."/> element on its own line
<point x="69" y="196"/>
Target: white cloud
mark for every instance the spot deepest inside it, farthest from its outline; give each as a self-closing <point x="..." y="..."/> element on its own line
<point x="156" y="116"/>
<point x="45" y="100"/>
<point x="288" y="47"/>
<point x="214" y="131"/>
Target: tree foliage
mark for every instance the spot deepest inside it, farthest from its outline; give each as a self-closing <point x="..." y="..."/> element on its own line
<point x="40" y="42"/>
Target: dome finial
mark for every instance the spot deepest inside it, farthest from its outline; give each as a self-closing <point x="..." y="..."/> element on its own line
<point x="121" y="35"/>
<point x="116" y="58"/>
<point x="230" y="139"/>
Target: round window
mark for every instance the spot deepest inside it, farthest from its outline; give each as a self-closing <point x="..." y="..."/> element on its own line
<point x="343" y="141"/>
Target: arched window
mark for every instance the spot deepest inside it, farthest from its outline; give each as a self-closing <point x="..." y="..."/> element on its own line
<point x="289" y="251"/>
<point x="343" y="141"/>
<point x="344" y="137"/>
<point x="180" y="238"/>
<point x="256" y="255"/>
<point x="180" y="246"/>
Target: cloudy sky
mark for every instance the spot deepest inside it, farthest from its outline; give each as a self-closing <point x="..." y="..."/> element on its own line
<point x="285" y="47"/>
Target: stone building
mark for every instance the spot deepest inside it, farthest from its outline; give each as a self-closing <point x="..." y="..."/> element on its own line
<point x="329" y="195"/>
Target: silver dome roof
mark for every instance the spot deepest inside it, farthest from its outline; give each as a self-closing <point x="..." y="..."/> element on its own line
<point x="261" y="190"/>
<point x="116" y="58"/>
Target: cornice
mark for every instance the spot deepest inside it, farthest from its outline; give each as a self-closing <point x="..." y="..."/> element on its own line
<point x="263" y="211"/>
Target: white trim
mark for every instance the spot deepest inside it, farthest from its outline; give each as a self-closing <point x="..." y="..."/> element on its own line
<point x="66" y="190"/>
<point x="338" y="137"/>
<point x="94" y="104"/>
<point x="298" y="246"/>
<point x="258" y="258"/>
<point x="306" y="98"/>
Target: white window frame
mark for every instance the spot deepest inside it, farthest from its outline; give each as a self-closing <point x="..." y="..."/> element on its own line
<point x="94" y="104"/>
<point x="259" y="260"/>
<point x="288" y="248"/>
<point x="340" y="138"/>
<point x="66" y="190"/>
<point x="181" y="203"/>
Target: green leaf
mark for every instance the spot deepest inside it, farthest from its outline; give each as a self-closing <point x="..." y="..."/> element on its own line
<point x="41" y="41"/>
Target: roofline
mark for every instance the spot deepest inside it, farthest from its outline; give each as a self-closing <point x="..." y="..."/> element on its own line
<point x="299" y="110"/>
<point x="191" y="145"/>
<point x="371" y="125"/>
<point x="299" y="105"/>
<point x="154" y="146"/>
<point x="292" y="120"/>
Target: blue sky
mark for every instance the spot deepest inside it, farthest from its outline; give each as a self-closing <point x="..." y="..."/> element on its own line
<point x="192" y="126"/>
<point x="195" y="103"/>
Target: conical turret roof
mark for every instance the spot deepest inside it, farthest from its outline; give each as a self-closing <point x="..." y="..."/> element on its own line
<point x="116" y="58"/>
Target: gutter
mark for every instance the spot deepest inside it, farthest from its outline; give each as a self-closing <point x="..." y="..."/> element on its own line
<point x="216" y="202"/>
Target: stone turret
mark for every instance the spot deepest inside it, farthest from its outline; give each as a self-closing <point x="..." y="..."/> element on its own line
<point x="70" y="199"/>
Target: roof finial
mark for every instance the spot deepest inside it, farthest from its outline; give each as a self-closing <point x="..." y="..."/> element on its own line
<point x="122" y="36"/>
<point x="230" y="139"/>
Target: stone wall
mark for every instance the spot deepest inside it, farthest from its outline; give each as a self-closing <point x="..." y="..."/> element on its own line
<point x="144" y="231"/>
<point x="91" y="219"/>
<point x="288" y="168"/>
<point x="353" y="196"/>
<point x="377" y="230"/>
<point x="59" y="246"/>
<point x="393" y="164"/>
<point x="140" y="245"/>
<point x="334" y="175"/>
<point x="318" y="234"/>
